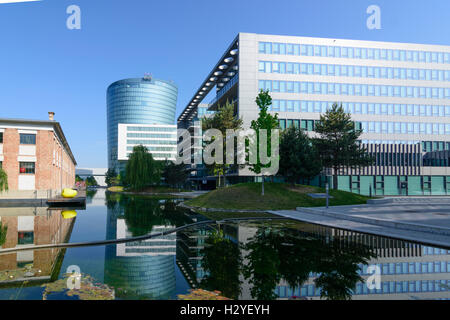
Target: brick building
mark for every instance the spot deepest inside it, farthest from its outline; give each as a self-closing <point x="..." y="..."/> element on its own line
<point x="36" y="155"/>
<point x="32" y="226"/>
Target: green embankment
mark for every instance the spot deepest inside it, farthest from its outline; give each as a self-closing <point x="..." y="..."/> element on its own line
<point x="278" y="196"/>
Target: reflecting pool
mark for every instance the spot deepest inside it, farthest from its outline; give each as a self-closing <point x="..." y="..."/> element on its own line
<point x="254" y="259"/>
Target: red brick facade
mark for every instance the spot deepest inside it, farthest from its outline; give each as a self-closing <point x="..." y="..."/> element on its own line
<point x="48" y="229"/>
<point x="54" y="166"/>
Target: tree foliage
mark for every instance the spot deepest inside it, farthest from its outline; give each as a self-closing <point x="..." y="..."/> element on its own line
<point x="222" y="264"/>
<point x="298" y="156"/>
<point x="224" y="119"/>
<point x="3" y="232"/>
<point x="3" y="180"/>
<point x="142" y="170"/>
<point x="337" y="142"/>
<point x="265" y="121"/>
<point x="90" y="181"/>
<point x="175" y="175"/>
<point x="286" y="254"/>
<point x="111" y="177"/>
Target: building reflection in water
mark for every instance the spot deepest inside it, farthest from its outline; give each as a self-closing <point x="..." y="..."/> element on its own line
<point x="310" y="262"/>
<point x="25" y="226"/>
<point x="145" y="269"/>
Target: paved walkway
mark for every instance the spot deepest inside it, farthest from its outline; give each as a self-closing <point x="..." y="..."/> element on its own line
<point x="424" y="220"/>
<point x="191" y="194"/>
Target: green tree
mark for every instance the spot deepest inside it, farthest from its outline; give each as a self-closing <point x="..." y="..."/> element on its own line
<point x="265" y="121"/>
<point x="3" y="180"/>
<point x="224" y="119"/>
<point x="110" y="177"/>
<point x="298" y="156"/>
<point x="3" y="232"/>
<point x="175" y="175"/>
<point x="90" y="181"/>
<point x="262" y="267"/>
<point x="78" y="178"/>
<point x="142" y="170"/>
<point x="337" y="142"/>
<point x="222" y="264"/>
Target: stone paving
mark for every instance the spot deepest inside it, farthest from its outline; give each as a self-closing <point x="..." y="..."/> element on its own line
<point x="425" y="220"/>
<point x="426" y="212"/>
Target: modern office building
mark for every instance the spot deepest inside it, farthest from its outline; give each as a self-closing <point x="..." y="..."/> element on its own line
<point x="140" y="111"/>
<point x="398" y="93"/>
<point x="141" y="269"/>
<point x="35" y="155"/>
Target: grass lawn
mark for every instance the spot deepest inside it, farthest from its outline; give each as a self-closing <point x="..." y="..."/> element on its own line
<point x="115" y="189"/>
<point x="277" y="196"/>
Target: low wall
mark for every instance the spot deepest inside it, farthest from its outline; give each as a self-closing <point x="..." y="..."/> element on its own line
<point x="28" y="194"/>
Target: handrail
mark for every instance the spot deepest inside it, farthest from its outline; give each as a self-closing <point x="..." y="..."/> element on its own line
<point x="132" y="239"/>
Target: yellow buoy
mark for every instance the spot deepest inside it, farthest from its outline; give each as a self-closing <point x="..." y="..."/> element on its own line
<point x="69" y="193"/>
<point x="69" y="214"/>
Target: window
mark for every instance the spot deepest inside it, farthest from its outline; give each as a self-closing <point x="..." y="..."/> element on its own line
<point x="25" y="237"/>
<point x="27" y="138"/>
<point x="1" y="137"/>
<point x="27" y="167"/>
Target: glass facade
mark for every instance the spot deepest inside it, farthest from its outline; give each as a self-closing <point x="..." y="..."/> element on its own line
<point x="385" y="54"/>
<point x="138" y="101"/>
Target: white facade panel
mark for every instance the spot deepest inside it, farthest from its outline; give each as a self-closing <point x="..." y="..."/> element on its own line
<point x="25" y="223"/>
<point x="27" y="150"/>
<point x="160" y="139"/>
<point x="27" y="181"/>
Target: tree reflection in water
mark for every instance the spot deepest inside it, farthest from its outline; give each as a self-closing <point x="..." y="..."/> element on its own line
<point x="222" y="262"/>
<point x="276" y="254"/>
<point x="142" y="214"/>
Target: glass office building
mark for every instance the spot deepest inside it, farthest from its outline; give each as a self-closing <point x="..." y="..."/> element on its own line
<point x="397" y="93"/>
<point x="140" y="102"/>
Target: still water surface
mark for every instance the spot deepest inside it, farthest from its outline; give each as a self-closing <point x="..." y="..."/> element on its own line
<point x="278" y="259"/>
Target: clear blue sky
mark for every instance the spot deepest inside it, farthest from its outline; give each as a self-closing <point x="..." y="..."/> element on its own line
<point x="46" y="67"/>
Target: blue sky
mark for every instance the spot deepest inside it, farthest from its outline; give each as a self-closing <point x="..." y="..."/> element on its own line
<point x="46" y="67"/>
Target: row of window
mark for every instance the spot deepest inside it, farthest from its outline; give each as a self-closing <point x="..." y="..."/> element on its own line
<point x="361" y="108"/>
<point x="378" y="126"/>
<point x="157" y="129"/>
<point x="353" y="71"/>
<point x="24" y="138"/>
<point x="156" y="148"/>
<point x="403" y="127"/>
<point x="436" y="162"/>
<point x="160" y="155"/>
<point x="387" y="287"/>
<point x="353" y="53"/>
<point x="409" y="268"/>
<point x="350" y="89"/>
<point x="427" y="146"/>
<point x="151" y="142"/>
<point x="152" y="135"/>
<point x="405" y="287"/>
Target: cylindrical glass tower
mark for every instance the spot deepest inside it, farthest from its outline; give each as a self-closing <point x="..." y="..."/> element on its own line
<point x="138" y="101"/>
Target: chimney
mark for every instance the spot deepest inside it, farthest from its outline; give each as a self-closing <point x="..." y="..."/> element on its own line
<point x="51" y="116"/>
